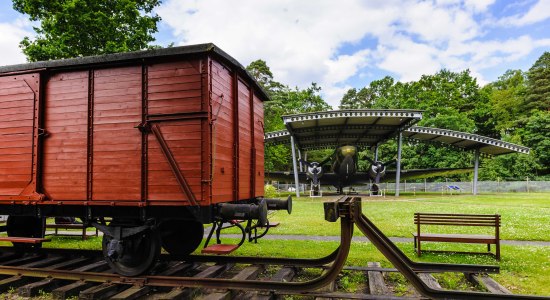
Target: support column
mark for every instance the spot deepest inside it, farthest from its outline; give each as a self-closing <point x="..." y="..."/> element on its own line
<point x="376" y="152"/>
<point x="398" y="170"/>
<point x="476" y="169"/>
<point x="294" y="166"/>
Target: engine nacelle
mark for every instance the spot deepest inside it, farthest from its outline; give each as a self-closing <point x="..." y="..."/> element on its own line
<point x="377" y="168"/>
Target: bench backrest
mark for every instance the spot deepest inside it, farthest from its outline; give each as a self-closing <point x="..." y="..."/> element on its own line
<point x="456" y="219"/>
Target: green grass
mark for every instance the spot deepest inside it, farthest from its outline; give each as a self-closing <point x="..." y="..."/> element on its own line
<point x="524" y="216"/>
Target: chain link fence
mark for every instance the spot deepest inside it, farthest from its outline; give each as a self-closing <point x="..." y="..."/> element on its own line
<point x="526" y="186"/>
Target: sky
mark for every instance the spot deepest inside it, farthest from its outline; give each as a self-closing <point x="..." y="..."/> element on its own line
<point x="346" y="43"/>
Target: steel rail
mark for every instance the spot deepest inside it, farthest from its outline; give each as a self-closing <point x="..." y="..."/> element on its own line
<point x="299" y="262"/>
<point x="395" y="256"/>
<point x="328" y="276"/>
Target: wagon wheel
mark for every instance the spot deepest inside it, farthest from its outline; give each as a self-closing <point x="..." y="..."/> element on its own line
<point x="181" y="237"/>
<point x="25" y="226"/>
<point x="139" y="253"/>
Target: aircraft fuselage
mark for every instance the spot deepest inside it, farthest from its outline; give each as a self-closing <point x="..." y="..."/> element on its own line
<point x="344" y="163"/>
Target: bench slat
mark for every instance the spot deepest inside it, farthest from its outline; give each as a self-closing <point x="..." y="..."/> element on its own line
<point x="462" y="215"/>
<point x="459" y="219"/>
<point x="458" y="224"/>
<point x="457" y="238"/>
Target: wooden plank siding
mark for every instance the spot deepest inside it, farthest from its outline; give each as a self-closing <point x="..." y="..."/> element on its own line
<point x="64" y="174"/>
<point x="17" y="103"/>
<point x="175" y="87"/>
<point x="222" y="133"/>
<point x="116" y="142"/>
<point x="259" y="145"/>
<point x="99" y="147"/>
<point x="245" y="140"/>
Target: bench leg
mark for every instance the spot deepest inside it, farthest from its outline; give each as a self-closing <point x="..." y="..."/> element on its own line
<point x="84" y="233"/>
<point x="497" y="246"/>
<point x="414" y="241"/>
<point x="418" y="251"/>
<point x="488" y="247"/>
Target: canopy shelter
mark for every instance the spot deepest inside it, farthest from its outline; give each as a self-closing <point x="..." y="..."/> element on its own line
<point x="469" y="141"/>
<point x="363" y="128"/>
<point x="331" y="129"/>
<point x="369" y="128"/>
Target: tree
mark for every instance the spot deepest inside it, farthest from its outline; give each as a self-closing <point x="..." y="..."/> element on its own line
<point x="263" y="75"/>
<point x="382" y="93"/>
<point x="84" y="27"/>
<point x="538" y="88"/>
<point x="507" y="97"/>
<point x="536" y="135"/>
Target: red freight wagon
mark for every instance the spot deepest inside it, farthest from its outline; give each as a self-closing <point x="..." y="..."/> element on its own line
<point x="155" y="140"/>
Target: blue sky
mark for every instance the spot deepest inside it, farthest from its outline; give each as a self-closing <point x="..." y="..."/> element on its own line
<point x="347" y="43"/>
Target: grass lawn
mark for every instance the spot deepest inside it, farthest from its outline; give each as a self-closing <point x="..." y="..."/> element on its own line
<point x="524" y="216"/>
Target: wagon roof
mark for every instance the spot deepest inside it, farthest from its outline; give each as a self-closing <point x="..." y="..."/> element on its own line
<point x="136" y="56"/>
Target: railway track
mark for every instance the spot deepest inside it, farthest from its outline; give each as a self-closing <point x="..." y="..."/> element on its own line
<point x="84" y="274"/>
<point x="69" y="273"/>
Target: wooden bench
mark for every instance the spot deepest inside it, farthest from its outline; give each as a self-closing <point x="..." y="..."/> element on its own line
<point x="432" y="219"/>
<point x="76" y="226"/>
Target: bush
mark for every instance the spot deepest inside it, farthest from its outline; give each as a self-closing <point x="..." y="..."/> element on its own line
<point x="270" y="191"/>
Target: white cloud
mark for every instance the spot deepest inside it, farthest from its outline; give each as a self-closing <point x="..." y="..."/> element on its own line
<point x="478" y="5"/>
<point x="537" y="13"/>
<point x="12" y="34"/>
<point x="321" y="41"/>
<point x="298" y="39"/>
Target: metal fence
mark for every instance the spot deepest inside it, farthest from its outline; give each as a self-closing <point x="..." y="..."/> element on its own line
<point x="526" y="186"/>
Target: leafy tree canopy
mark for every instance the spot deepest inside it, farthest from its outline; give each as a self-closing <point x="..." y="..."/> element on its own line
<point x="538" y="89"/>
<point x="73" y="28"/>
<point x="516" y="108"/>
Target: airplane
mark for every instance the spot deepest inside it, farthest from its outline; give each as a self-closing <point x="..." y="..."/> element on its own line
<point x="344" y="172"/>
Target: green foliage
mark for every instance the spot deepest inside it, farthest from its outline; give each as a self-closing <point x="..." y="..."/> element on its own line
<point x="515" y="107"/>
<point x="73" y="28"/>
<point x="536" y="135"/>
<point x="263" y="75"/>
<point x="270" y="191"/>
<point x="538" y="89"/>
<point x="507" y="96"/>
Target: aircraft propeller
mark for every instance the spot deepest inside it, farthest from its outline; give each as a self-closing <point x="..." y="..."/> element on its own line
<point x="314" y="169"/>
<point x="377" y="169"/>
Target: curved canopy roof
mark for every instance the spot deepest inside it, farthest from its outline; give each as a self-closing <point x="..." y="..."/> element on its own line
<point x="468" y="141"/>
<point x="356" y="127"/>
<point x="367" y="128"/>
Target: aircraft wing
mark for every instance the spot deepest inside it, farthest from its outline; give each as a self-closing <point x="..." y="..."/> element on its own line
<point x="288" y="177"/>
<point x="285" y="176"/>
<point x="427" y="173"/>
